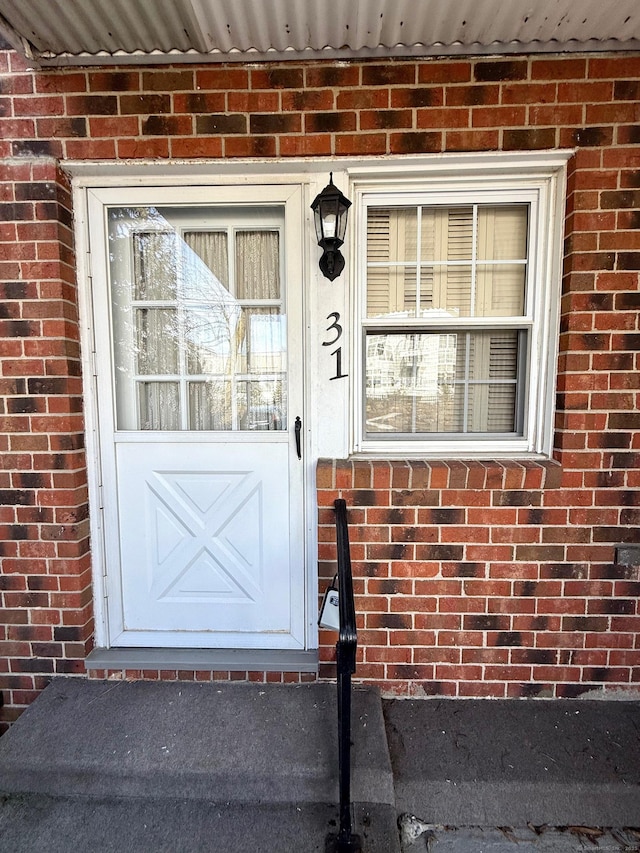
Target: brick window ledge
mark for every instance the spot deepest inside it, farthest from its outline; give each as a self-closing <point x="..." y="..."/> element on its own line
<point x="437" y="474"/>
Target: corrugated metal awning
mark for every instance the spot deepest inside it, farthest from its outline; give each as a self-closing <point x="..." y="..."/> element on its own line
<point x="91" y="32"/>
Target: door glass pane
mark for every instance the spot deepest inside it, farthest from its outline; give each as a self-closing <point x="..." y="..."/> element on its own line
<point x="154" y="259"/>
<point x="258" y="265"/>
<point x="260" y="404"/>
<point x="210" y="325"/>
<point x="159" y="405"/>
<point x="157" y="340"/>
<point x="210" y="247"/>
<point x="210" y="335"/>
<point x="261" y="341"/>
<point x="210" y="405"/>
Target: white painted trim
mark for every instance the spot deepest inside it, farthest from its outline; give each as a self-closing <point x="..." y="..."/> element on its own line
<point x="311" y="170"/>
<point x="93" y="193"/>
<point x="92" y="437"/>
<point x="531" y="178"/>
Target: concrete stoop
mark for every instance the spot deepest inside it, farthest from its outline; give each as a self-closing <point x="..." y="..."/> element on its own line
<point x="146" y="766"/>
<point x="515" y="763"/>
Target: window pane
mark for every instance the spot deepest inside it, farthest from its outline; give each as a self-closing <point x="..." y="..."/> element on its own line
<point x="261" y="404"/>
<point x="410" y="384"/>
<point x="155" y="272"/>
<point x="441" y="383"/>
<point x="391" y="290"/>
<point x="502" y="232"/>
<point x="211" y="249"/>
<point x="392" y="257"/>
<point x="447" y="234"/>
<point x="458" y="251"/>
<point x="156" y="341"/>
<point x="500" y="290"/>
<point x="258" y="265"/>
<point x="159" y="404"/>
<point x="210" y="405"/>
<point x="392" y="235"/>
<point x="448" y="290"/>
<point x="501" y="408"/>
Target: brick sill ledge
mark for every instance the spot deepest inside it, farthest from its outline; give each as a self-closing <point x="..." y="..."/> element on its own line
<point x="231" y="660"/>
<point x="500" y="474"/>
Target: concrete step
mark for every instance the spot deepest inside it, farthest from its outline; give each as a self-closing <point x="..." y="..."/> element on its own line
<point x="234" y="762"/>
<point x="511" y="763"/>
<point x="38" y="822"/>
<point x="227" y="743"/>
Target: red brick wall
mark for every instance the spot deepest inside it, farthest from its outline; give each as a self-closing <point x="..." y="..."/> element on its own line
<point x="484" y="578"/>
<point x="510" y="582"/>
<point x="45" y="614"/>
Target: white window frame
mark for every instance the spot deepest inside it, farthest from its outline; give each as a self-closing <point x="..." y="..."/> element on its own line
<point x="535" y="179"/>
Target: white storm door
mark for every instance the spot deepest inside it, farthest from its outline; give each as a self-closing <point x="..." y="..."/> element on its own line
<point x="199" y="387"/>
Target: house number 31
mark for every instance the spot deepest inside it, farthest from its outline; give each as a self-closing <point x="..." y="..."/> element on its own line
<point x="336" y="328"/>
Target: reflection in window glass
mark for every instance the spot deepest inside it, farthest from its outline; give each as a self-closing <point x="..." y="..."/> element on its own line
<point x="210" y="405"/>
<point x="463" y="382"/>
<point x="260" y="404"/>
<point x="198" y="315"/>
<point x="154" y="258"/>
<point x="156" y="341"/>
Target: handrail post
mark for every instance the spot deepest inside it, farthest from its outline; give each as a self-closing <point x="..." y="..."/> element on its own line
<point x="346" y="841"/>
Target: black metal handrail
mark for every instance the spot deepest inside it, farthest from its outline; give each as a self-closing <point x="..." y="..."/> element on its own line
<point x="346" y="647"/>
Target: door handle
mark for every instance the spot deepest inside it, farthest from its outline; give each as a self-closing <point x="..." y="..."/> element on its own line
<point x="298" y="428"/>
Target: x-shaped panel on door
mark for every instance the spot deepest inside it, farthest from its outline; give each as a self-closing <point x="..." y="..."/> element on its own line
<point x="206" y="534"/>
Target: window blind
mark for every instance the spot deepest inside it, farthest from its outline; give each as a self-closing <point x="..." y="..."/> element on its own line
<point x="444" y="264"/>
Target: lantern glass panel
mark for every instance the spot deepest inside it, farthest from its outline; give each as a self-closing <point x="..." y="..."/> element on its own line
<point x="329" y="221"/>
<point x="342" y="223"/>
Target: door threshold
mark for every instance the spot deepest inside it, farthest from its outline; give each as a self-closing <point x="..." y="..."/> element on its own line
<point x="232" y="660"/>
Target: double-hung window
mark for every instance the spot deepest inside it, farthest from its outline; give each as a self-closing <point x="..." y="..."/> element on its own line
<point x="458" y="306"/>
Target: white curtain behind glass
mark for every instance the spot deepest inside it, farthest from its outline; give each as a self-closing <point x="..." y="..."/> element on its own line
<point x="156" y="329"/>
<point x="211" y="318"/>
<point x="243" y="388"/>
<point x="199" y="323"/>
<point x="257" y="265"/>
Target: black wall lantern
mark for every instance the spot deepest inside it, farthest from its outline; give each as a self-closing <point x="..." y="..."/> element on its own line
<point x="330" y="210"/>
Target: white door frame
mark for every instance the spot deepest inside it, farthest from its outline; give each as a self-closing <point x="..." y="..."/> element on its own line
<point x="92" y="189"/>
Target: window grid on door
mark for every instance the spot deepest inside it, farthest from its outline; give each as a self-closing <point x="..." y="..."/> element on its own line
<point x="207" y="329"/>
